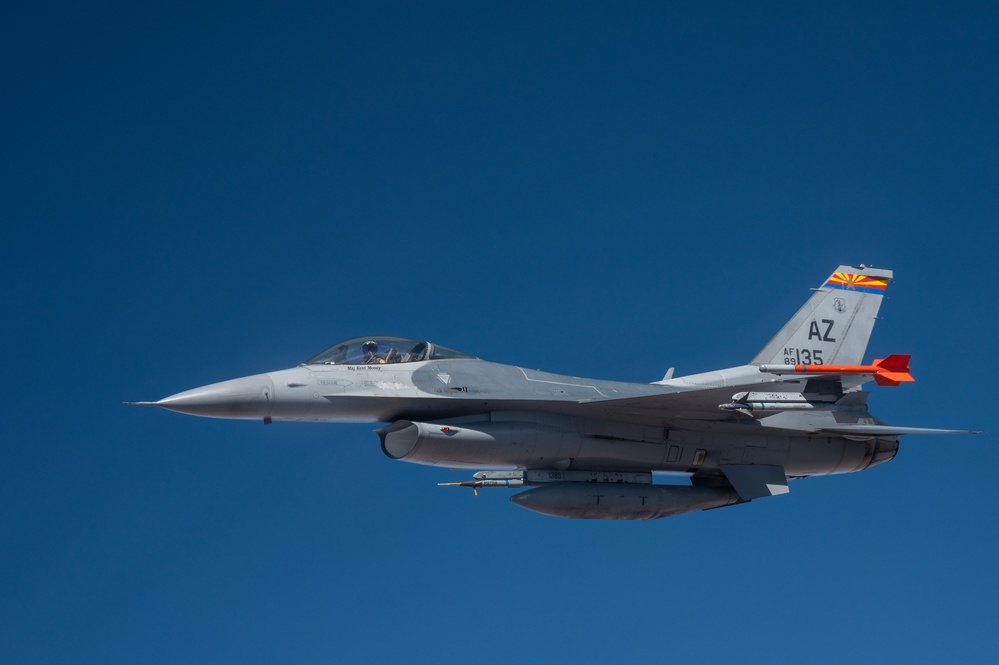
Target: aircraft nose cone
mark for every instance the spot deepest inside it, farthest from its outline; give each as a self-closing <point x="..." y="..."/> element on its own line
<point x="249" y="397"/>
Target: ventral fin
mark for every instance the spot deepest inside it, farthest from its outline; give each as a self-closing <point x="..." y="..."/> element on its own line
<point x="755" y="481"/>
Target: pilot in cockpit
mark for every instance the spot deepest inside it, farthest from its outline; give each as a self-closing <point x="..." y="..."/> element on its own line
<point x="370" y="349"/>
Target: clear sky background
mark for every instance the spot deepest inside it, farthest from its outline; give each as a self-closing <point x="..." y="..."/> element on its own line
<point x="195" y="193"/>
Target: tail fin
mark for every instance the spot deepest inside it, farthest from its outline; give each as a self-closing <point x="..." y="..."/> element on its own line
<point x="835" y="324"/>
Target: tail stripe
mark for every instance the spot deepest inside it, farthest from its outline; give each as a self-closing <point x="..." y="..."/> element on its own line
<point x="854" y="282"/>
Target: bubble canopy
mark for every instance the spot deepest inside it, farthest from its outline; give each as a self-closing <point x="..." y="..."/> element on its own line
<point x="383" y="350"/>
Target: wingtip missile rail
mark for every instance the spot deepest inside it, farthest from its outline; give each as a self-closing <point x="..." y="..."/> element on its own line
<point x="889" y="371"/>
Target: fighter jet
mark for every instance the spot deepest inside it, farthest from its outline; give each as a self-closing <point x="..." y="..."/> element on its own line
<point x="595" y="449"/>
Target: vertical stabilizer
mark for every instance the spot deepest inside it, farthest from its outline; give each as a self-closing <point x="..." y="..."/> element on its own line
<point x="835" y="324"/>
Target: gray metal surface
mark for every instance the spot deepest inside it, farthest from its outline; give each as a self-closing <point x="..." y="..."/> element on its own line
<point x="794" y="411"/>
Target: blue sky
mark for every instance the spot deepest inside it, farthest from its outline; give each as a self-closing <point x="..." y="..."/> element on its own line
<point x="202" y="192"/>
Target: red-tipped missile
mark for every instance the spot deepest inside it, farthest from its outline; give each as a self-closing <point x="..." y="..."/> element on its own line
<point x="889" y="371"/>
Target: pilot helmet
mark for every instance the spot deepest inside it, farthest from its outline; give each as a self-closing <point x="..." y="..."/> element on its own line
<point x="370" y="346"/>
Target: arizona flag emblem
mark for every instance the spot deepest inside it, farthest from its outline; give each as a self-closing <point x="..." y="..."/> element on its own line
<point x="851" y="282"/>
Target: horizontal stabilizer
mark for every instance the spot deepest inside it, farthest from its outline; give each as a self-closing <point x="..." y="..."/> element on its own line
<point x="754" y="481"/>
<point x="889" y="430"/>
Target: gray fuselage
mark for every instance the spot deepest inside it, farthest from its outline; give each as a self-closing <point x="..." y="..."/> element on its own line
<point x="507" y="417"/>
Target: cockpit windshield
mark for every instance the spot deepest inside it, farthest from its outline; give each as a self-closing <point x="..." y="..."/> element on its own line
<point x="382" y="350"/>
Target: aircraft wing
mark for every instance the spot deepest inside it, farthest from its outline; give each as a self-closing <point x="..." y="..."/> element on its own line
<point x="704" y="405"/>
<point x="687" y="404"/>
<point x="696" y="401"/>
